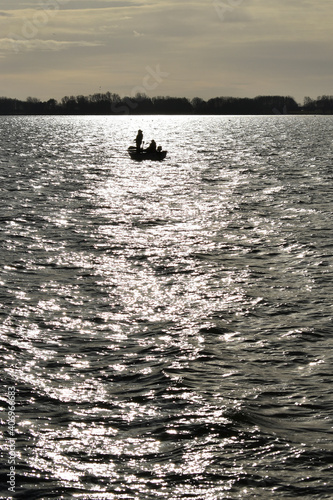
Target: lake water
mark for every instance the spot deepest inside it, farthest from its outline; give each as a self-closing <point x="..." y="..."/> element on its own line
<point x="166" y="327"/>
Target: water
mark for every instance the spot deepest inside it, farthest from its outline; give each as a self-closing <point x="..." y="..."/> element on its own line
<point x="167" y="327"/>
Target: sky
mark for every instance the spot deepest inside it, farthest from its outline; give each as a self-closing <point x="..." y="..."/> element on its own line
<point x="205" y="48"/>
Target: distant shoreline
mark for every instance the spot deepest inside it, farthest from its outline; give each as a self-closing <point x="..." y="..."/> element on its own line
<point x="113" y="105"/>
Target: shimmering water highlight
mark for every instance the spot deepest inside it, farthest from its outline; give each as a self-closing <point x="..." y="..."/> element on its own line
<point x="168" y="326"/>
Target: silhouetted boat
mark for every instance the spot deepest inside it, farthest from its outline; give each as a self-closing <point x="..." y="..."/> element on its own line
<point x="143" y="155"/>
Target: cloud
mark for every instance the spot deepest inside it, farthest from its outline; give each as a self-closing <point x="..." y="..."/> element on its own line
<point x="38" y="23"/>
<point x="12" y="44"/>
<point x="257" y="46"/>
<point x="97" y="4"/>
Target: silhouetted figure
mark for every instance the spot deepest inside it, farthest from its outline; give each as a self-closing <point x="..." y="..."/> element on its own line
<point x="152" y="147"/>
<point x="138" y="141"/>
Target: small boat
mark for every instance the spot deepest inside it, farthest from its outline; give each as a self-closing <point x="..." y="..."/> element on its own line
<point x="143" y="155"/>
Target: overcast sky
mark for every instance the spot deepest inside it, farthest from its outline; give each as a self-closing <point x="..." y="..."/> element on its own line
<point x="204" y="48"/>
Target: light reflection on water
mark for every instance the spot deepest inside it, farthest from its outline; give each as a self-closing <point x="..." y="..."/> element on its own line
<point x="168" y="325"/>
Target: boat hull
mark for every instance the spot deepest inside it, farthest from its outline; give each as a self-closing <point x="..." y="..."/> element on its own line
<point x="157" y="156"/>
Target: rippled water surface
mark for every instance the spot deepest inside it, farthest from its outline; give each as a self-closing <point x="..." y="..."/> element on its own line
<point x="167" y="326"/>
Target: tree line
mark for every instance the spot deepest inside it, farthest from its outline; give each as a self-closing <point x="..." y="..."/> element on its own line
<point x="112" y="104"/>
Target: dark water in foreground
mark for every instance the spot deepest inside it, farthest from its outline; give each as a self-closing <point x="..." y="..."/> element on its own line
<point x="167" y="327"/>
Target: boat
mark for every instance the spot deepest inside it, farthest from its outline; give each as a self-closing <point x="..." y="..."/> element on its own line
<point x="144" y="155"/>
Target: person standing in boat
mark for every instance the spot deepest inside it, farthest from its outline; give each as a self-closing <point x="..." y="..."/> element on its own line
<point x="138" y="141"/>
<point x="152" y="147"/>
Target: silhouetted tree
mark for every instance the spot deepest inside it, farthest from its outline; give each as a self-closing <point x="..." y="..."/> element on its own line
<point x="33" y="106"/>
<point x="325" y="104"/>
<point x="199" y="106"/>
<point x="111" y="103"/>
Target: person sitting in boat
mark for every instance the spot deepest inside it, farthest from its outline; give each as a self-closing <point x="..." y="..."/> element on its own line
<point x="152" y="147"/>
<point x="138" y="141"/>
